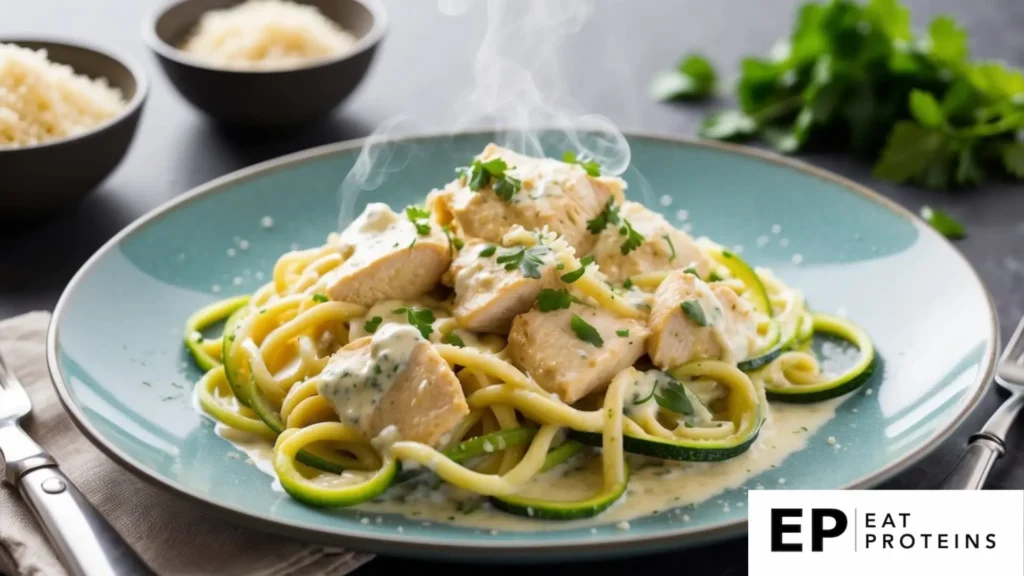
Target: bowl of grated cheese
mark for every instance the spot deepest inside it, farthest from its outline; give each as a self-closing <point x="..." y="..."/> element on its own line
<point x="266" y="63"/>
<point x="68" y="115"/>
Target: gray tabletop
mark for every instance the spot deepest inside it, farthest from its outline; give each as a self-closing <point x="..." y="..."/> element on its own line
<point x="425" y="64"/>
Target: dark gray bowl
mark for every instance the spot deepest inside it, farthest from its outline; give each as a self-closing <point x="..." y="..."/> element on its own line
<point x="266" y="98"/>
<point x="36" y="180"/>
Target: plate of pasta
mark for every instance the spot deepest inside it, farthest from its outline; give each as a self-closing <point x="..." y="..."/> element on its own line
<point x="508" y="354"/>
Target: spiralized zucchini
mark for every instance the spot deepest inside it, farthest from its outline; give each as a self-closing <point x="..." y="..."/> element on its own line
<point x="264" y="374"/>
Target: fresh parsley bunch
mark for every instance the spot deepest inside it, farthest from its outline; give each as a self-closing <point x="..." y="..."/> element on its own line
<point x="855" y="77"/>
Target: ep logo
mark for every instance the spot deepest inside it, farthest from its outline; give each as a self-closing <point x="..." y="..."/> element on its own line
<point x="819" y="523"/>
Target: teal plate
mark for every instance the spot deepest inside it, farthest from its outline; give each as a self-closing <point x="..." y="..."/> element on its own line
<point x="116" y="356"/>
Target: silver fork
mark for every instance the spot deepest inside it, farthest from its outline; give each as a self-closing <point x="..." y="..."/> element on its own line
<point x="85" y="542"/>
<point x="988" y="445"/>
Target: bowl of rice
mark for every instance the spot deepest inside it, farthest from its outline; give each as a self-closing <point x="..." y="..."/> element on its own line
<point x="68" y="115"/>
<point x="266" y="63"/>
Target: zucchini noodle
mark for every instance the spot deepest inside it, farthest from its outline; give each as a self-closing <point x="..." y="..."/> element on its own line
<point x="362" y="397"/>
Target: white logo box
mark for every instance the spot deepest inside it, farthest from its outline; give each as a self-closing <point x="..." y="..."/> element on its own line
<point x="912" y="532"/>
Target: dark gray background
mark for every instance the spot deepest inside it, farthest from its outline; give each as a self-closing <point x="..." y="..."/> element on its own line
<point x="424" y="65"/>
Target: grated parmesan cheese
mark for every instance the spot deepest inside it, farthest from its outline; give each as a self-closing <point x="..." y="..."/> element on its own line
<point x="41" y="100"/>
<point x="267" y="34"/>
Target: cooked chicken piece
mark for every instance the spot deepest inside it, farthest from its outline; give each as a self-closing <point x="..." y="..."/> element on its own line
<point x="663" y="247"/>
<point x="488" y="295"/>
<point x="394" y="378"/>
<point x="553" y="194"/>
<point x="387" y="258"/>
<point x="682" y="304"/>
<point x="547" y="347"/>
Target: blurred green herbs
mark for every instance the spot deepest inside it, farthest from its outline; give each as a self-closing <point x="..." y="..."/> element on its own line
<point x="855" y="77"/>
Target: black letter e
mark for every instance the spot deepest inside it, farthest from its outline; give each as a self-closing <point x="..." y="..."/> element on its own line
<point x="779" y="528"/>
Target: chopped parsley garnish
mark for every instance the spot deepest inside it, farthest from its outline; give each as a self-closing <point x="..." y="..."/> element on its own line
<point x="420" y="219"/>
<point x="488" y="251"/>
<point x="377" y="369"/>
<point x="692" y="270"/>
<point x="319" y="298"/>
<point x="622" y="333"/>
<point x="591" y="167"/>
<point x="372" y="324"/>
<point x="492" y="172"/>
<point x="421" y="318"/>
<point x="637" y="402"/>
<point x="453" y="339"/>
<point x="584" y="331"/>
<point x="670" y="245"/>
<point x="943" y="223"/>
<point x="549" y="300"/>
<point x="633" y="238"/>
<point x="527" y="260"/>
<point x="609" y="215"/>
<point x="694" y="312"/>
<point x="673" y="398"/>
<point x="570" y="277"/>
<point x="628" y="283"/>
<point x="469" y="506"/>
<point x="714" y="277"/>
<point x="454" y="242"/>
<point x="507" y="187"/>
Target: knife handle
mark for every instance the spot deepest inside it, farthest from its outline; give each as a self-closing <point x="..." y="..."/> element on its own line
<point x="85" y="542"/>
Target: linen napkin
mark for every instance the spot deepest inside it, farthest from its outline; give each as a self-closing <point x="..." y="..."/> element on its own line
<point x="172" y="535"/>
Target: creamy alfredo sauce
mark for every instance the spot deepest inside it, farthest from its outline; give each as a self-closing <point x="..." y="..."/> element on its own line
<point x="376" y="232"/>
<point x="354" y="383"/>
<point x="654" y="485"/>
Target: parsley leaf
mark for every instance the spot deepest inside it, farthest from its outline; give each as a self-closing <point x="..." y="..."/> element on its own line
<point x="453" y="339"/>
<point x="479" y="174"/>
<point x="944" y="223"/>
<point x="946" y="41"/>
<point x="622" y="333"/>
<point x="570" y="277"/>
<point x="372" y="324"/>
<point x="491" y="173"/>
<point x="633" y="238"/>
<point x="911" y="151"/>
<point x="1013" y="159"/>
<point x="527" y="260"/>
<point x="488" y="251"/>
<point x="693" y="311"/>
<point x="673" y="398"/>
<point x="319" y="298"/>
<point x="550" y="300"/>
<point x="693" y="79"/>
<point x="609" y="215"/>
<point x="926" y="109"/>
<point x="420" y="218"/>
<point x="421" y="318"/>
<point x="729" y="125"/>
<point x="591" y="167"/>
<point x="693" y="271"/>
<point x="506" y="188"/>
<point x="628" y="283"/>
<point x="584" y="331"/>
<point x="454" y="242"/>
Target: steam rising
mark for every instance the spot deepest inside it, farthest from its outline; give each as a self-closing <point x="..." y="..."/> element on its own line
<point x="380" y="156"/>
<point x="518" y="88"/>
